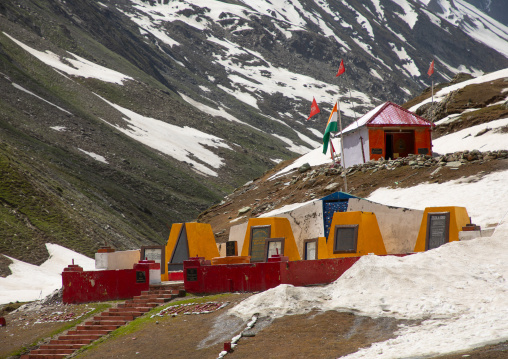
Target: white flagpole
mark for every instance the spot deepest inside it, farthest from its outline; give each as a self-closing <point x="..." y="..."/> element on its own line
<point x="432" y="91"/>
<point x="342" y="157"/>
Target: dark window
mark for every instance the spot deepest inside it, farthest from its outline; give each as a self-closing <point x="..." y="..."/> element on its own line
<point x="191" y="274"/>
<point x="231" y="249"/>
<point x="346" y="238"/>
<point x="140" y="276"/>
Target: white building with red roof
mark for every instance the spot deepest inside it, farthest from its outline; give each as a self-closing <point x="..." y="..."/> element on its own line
<point x="387" y="131"/>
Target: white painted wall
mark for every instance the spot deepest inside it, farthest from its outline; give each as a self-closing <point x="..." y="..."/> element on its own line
<point x="237" y="233"/>
<point x="353" y="148"/>
<point x="222" y="249"/>
<point x="306" y="222"/>
<point x="117" y="260"/>
<point x="155" y="276"/>
<point x="399" y="226"/>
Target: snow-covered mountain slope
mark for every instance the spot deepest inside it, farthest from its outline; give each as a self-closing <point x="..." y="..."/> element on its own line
<point x="137" y="114"/>
<point x="259" y="47"/>
<point x="472" y="21"/>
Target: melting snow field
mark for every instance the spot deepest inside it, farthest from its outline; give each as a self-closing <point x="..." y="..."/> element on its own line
<point x="459" y="291"/>
<point x="29" y="282"/>
<point x="80" y="66"/>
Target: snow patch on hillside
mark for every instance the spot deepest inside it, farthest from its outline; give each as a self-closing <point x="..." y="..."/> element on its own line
<point x="185" y="144"/>
<point x="468" y="138"/>
<point x="475" y="23"/>
<point x="40" y="98"/>
<point x="440" y="95"/>
<point x="95" y="156"/>
<point x="29" y="282"/>
<point x="78" y="65"/>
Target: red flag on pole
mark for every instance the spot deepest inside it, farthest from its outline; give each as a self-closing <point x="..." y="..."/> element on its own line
<point x="431" y="69"/>
<point x="314" y="109"/>
<point x="342" y="69"/>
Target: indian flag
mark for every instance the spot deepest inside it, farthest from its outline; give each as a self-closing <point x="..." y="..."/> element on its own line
<point x="331" y="126"/>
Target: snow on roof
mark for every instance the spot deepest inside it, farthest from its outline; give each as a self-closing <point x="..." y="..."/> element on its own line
<point x="388" y="114"/>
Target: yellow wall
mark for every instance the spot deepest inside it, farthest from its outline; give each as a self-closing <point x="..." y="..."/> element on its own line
<point x="200" y="239"/>
<point x="322" y="248"/>
<point x="280" y="227"/>
<point x="369" y="235"/>
<point x="458" y="219"/>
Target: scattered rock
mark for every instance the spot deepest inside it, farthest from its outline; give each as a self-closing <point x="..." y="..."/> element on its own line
<point x="243" y="210"/>
<point x="331" y="187"/>
<point x="304" y="168"/>
<point x="485" y="130"/>
<point x="454" y="164"/>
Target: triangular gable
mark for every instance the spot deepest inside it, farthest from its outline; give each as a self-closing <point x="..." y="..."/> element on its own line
<point x="394" y="115"/>
<point x="388" y="114"/>
<point x="364" y="119"/>
<point x="181" y="251"/>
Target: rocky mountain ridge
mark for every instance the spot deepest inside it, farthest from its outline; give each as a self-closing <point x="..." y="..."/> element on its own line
<point x="118" y="118"/>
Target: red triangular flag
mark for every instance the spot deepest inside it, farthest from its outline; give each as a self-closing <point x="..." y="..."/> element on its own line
<point x="342" y="69"/>
<point x="314" y="109"/>
<point x="431" y="69"/>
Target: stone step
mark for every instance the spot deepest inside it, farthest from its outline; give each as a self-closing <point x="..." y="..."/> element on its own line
<point x="52" y="351"/>
<point x="43" y="356"/>
<point x="76" y="337"/>
<point x="98" y="327"/>
<point x="106" y="321"/>
<point x="153" y="300"/>
<point x="126" y="318"/>
<point x="128" y="309"/>
<point x="89" y="331"/>
<point x="71" y="341"/>
<point x="137" y="305"/>
<point x="61" y="346"/>
<point x="131" y="313"/>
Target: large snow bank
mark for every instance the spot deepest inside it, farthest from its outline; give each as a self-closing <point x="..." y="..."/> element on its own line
<point x="459" y="291"/>
<point x="480" y="195"/>
<point x="29" y="282"/>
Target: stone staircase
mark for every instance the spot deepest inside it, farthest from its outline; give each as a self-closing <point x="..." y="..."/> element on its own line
<point x="106" y="322"/>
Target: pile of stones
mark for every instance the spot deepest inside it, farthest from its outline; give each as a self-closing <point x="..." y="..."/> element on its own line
<point x="414" y="161"/>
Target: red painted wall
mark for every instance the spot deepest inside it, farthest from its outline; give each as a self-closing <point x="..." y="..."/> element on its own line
<point x="321" y="271"/>
<point x="423" y="139"/>
<point x="376" y="140"/>
<point x="104" y="285"/>
<point x="255" y="277"/>
<point x="231" y="277"/>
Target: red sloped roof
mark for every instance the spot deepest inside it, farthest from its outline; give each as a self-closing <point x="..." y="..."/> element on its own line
<point x="393" y="115"/>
